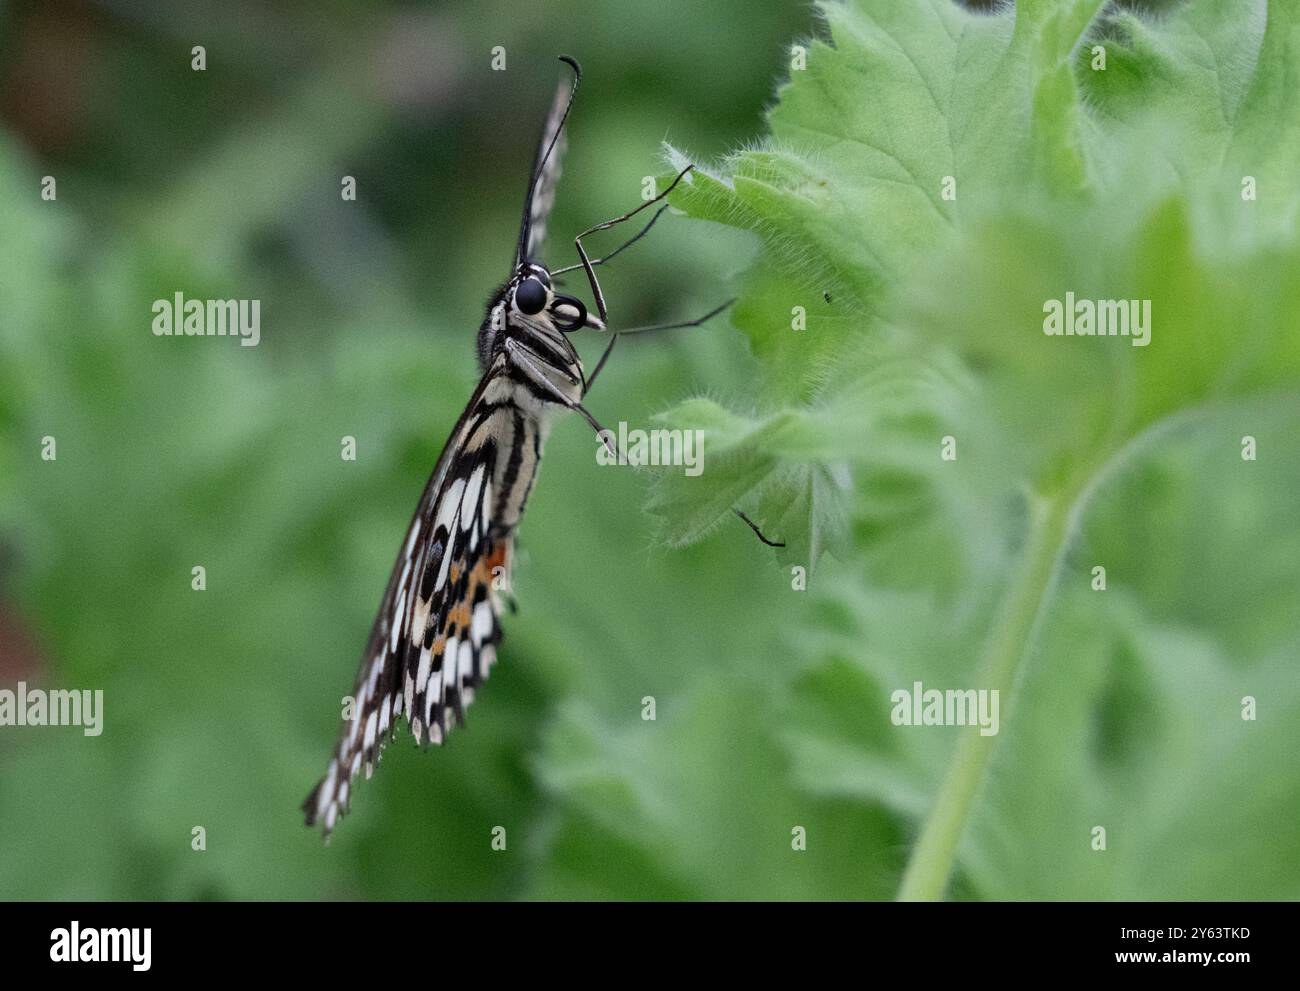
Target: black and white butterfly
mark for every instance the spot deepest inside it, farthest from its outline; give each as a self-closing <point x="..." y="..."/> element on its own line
<point x="435" y="638"/>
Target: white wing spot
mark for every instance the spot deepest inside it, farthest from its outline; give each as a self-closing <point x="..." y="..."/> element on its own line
<point x="396" y="622"/>
<point x="450" y="658"/>
<point x="450" y="505"/>
<point x="419" y="617"/>
<point x="446" y="564"/>
<point x="481" y="626"/>
<point x="403" y="592"/>
<point x="422" y="675"/>
<point x="470" y="498"/>
<point x="428" y="710"/>
<point x="465" y="666"/>
<point x="327" y="790"/>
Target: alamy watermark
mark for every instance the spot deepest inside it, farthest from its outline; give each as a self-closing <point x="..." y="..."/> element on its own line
<point x="59" y="707"/>
<point x="77" y="945"/>
<point x="1072" y="317"/>
<point x="684" y="448"/>
<point x="181" y="317"/>
<point x="951" y="707"/>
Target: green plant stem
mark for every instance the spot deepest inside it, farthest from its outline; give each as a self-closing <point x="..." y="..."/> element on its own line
<point x="932" y="858"/>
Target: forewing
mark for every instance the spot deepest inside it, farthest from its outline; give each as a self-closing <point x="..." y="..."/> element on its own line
<point x="436" y="633"/>
<point x="546" y="175"/>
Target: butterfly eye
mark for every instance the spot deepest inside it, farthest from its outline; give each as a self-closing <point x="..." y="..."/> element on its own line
<point x="530" y="296"/>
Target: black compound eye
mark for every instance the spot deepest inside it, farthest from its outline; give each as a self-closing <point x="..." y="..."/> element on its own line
<point x="530" y="296"/>
<point x="542" y="276"/>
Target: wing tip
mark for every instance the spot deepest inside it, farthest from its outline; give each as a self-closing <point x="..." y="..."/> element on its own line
<point x="309" y="805"/>
<point x="316" y="808"/>
<point x="572" y="63"/>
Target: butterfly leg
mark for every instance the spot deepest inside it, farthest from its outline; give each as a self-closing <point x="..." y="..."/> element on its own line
<point x="622" y="247"/>
<point x="582" y="252"/>
<point x="591" y="379"/>
<point x="525" y="358"/>
<point x="757" y="532"/>
<point x="589" y="267"/>
<point x="672" y="326"/>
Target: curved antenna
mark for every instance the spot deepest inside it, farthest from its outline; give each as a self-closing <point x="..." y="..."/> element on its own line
<point x="556" y="128"/>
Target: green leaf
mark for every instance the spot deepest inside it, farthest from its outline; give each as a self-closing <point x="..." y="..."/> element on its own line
<point x="622" y="787"/>
<point x="1129" y="182"/>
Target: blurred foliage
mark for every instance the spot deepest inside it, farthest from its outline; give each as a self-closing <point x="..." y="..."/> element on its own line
<point x="923" y="319"/>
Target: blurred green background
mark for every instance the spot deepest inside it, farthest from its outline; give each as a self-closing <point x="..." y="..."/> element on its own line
<point x="221" y="706"/>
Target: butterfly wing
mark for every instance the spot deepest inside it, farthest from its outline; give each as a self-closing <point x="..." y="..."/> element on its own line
<point x="435" y="637"/>
<point x="546" y="174"/>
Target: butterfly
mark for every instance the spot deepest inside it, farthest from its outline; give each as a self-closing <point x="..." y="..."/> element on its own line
<point x="435" y="638"/>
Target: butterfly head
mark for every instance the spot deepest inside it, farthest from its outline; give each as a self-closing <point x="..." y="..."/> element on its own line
<point x="528" y="309"/>
<point x="532" y="295"/>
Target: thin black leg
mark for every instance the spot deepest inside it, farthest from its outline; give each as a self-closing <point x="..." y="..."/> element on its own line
<point x="582" y="252"/>
<point x="622" y="247"/>
<point x="642" y="330"/>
